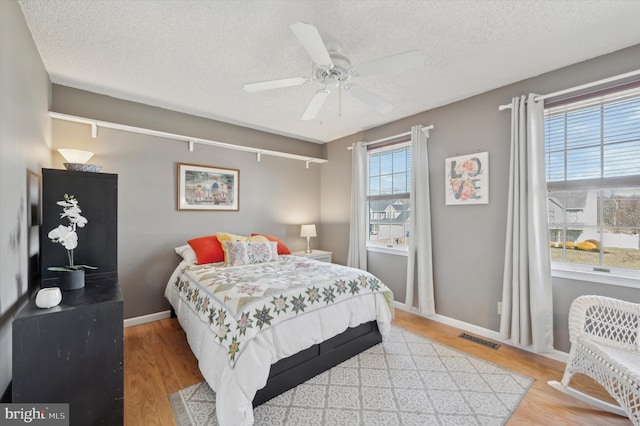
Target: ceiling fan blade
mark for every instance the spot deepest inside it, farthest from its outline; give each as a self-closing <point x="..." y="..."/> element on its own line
<point x="313" y="44"/>
<point x="315" y="104"/>
<point x="276" y="84"/>
<point x="369" y="98"/>
<point x="402" y="61"/>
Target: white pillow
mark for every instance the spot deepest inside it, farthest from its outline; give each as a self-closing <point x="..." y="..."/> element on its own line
<point x="187" y="254"/>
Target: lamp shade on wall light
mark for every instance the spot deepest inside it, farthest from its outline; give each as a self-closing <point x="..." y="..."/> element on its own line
<point x="75" y="155"/>
<point x="308" y="231"/>
<point x="77" y="159"/>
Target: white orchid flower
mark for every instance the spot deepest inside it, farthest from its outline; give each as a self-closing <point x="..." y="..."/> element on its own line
<point x="74" y="216"/>
<point x="70" y="241"/>
<point x="80" y="221"/>
<point x="54" y="234"/>
<point x="64" y="203"/>
<point x="64" y="235"/>
<point x="71" y="211"/>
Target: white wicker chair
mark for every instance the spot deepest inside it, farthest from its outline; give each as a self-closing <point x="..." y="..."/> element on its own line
<point x="605" y="345"/>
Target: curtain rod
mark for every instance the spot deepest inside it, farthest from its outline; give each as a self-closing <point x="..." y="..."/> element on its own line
<point x="577" y="88"/>
<point x="390" y="138"/>
<point x="182" y="138"/>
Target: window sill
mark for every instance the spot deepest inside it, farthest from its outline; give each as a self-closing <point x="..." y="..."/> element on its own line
<point x="397" y="251"/>
<point x="596" y="277"/>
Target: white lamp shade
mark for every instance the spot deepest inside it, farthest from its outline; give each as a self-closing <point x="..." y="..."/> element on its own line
<point x="75" y="155"/>
<point x="308" y="231"/>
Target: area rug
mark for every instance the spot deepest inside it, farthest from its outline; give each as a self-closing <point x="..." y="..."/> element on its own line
<point x="406" y="380"/>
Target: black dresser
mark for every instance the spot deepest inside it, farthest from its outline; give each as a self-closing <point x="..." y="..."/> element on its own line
<point x="73" y="353"/>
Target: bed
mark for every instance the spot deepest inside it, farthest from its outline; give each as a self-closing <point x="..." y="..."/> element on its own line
<point x="260" y="327"/>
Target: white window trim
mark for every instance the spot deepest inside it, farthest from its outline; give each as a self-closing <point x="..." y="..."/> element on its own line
<point x="586" y="273"/>
<point x="579" y="272"/>
<point x="395" y="250"/>
<point x="402" y="142"/>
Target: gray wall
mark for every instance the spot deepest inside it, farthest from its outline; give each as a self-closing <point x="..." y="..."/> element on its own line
<point x="392" y="270"/>
<point x="468" y="241"/>
<point x="276" y="194"/>
<point x="24" y="146"/>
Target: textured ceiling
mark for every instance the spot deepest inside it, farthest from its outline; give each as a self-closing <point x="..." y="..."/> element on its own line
<point x="195" y="56"/>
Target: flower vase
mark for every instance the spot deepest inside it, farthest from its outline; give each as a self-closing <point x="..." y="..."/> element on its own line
<point x="71" y="280"/>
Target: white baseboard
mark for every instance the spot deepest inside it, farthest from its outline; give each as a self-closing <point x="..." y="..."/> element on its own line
<point x="480" y="331"/>
<point x="147" y="318"/>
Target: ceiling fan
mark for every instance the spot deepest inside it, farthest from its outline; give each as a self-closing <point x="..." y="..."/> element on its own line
<point x="334" y="70"/>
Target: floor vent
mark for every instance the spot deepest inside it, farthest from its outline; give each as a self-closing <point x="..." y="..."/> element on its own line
<point x="480" y="341"/>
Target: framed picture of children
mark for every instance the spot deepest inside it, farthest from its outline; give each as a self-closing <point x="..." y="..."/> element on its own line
<point x="208" y="188"/>
<point x="467" y="179"/>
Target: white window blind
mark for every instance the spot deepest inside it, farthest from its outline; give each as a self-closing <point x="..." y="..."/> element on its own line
<point x="596" y="138"/>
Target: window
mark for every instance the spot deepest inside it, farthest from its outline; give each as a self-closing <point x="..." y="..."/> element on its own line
<point x="388" y="192"/>
<point x="592" y="154"/>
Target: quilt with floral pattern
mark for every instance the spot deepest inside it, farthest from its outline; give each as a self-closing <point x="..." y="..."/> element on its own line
<point x="240" y="301"/>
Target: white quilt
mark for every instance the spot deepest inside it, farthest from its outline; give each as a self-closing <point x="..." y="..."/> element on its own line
<point x="239" y="320"/>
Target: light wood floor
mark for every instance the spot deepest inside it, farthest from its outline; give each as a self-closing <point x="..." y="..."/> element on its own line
<point x="158" y="361"/>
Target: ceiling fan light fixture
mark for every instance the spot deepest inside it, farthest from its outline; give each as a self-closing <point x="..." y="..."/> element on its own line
<point x="340" y="71"/>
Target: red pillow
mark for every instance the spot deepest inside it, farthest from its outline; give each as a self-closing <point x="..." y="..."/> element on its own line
<point x="282" y="247"/>
<point x="208" y="249"/>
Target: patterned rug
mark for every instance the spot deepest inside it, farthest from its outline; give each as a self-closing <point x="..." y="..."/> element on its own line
<point x="406" y="380"/>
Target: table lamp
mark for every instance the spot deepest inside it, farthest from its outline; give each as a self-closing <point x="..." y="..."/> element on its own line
<point x="308" y="231"/>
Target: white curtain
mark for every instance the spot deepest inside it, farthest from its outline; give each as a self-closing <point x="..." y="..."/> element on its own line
<point x="419" y="262"/>
<point x="357" y="257"/>
<point x="527" y="311"/>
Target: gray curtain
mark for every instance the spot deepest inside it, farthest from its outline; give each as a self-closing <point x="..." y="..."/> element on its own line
<point x="357" y="257"/>
<point x="527" y="309"/>
<point x="420" y="260"/>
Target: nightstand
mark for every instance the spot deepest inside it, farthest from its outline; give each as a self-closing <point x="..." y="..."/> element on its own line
<point x="323" y="256"/>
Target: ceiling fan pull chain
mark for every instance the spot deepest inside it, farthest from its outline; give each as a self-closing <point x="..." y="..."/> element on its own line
<point x="339" y="99"/>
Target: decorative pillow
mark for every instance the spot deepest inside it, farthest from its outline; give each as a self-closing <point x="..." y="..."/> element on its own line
<point x="260" y="252"/>
<point x="258" y="239"/>
<point x="187" y="254"/>
<point x="282" y="247"/>
<point x="246" y="253"/>
<point x="225" y="236"/>
<point x="207" y="249"/>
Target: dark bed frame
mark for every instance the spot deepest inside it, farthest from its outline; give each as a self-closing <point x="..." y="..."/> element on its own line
<point x="298" y="368"/>
<point x="302" y="366"/>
